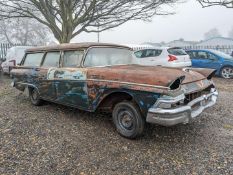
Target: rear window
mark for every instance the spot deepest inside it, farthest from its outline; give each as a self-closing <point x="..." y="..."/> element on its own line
<point x="33" y="59"/>
<point x="176" y="51"/>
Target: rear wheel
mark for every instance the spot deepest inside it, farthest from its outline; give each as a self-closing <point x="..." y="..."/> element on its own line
<point x="34" y="97"/>
<point x="128" y="120"/>
<point x="227" y="72"/>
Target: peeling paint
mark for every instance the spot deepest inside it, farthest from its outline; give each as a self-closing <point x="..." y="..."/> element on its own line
<point x="86" y="88"/>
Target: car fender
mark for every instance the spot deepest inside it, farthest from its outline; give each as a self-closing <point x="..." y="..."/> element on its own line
<point x="143" y="99"/>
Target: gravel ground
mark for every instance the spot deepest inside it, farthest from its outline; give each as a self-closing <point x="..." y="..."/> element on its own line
<point x="53" y="139"/>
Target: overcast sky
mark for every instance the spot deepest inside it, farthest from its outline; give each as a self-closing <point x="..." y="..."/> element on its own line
<point x="190" y="22"/>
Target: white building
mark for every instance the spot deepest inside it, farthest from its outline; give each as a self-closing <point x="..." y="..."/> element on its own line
<point x="217" y="41"/>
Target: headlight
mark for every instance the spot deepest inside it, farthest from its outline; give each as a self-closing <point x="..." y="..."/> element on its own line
<point x="167" y="102"/>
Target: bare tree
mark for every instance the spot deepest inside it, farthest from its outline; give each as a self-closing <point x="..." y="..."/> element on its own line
<point x="212" y="33"/>
<point x="24" y="32"/>
<point x="69" y="18"/>
<point x="208" y="3"/>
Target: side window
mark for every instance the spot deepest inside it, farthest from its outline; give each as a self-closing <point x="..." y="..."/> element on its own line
<point x="191" y="54"/>
<point x="138" y="54"/>
<point x="153" y="52"/>
<point x="156" y="52"/>
<point x="149" y="53"/>
<point x="33" y="59"/>
<point x="202" y="55"/>
<point x="212" y="57"/>
<point x="72" y="58"/>
<point x="51" y="59"/>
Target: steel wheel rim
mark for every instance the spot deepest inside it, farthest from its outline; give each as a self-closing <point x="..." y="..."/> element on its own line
<point x="125" y="120"/>
<point x="227" y="72"/>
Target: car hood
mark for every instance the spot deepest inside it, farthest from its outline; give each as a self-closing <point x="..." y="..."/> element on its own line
<point x="150" y="75"/>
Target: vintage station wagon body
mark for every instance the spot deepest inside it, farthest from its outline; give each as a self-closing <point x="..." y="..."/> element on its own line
<point x="93" y="76"/>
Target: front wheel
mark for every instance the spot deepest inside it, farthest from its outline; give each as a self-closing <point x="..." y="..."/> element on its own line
<point x="34" y="97"/>
<point x="227" y="72"/>
<point x="128" y="120"/>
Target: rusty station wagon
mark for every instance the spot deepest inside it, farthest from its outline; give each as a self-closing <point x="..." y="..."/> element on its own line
<point x="106" y="77"/>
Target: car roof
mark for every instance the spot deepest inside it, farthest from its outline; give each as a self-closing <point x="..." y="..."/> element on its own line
<point x="71" y="46"/>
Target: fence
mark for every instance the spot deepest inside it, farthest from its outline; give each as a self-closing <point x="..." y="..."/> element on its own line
<point x="4" y="47"/>
<point x="228" y="49"/>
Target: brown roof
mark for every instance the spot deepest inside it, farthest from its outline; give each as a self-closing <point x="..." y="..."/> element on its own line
<point x="72" y="46"/>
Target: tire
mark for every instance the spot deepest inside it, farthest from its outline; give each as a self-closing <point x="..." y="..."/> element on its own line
<point x="34" y="97"/>
<point x="226" y="71"/>
<point x="128" y="120"/>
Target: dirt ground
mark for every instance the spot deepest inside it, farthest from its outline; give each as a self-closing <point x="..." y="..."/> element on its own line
<point x="53" y="139"/>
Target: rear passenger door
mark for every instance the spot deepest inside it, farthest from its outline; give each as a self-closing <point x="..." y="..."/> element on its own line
<point x="204" y="59"/>
<point x="70" y="80"/>
<point x="47" y="88"/>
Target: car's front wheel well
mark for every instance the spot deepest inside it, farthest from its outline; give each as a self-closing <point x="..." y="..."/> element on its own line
<point x="108" y="103"/>
<point x="226" y="66"/>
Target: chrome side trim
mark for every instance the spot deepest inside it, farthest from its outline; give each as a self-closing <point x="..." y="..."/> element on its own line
<point x="108" y="81"/>
<point x="129" y="83"/>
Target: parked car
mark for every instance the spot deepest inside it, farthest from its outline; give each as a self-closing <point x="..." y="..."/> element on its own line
<point x="213" y="59"/>
<point x="13" y="57"/>
<point x="163" y="56"/>
<point x="94" y="76"/>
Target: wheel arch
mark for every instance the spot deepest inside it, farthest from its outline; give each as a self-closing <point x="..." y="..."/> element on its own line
<point x="109" y="100"/>
<point x="31" y="86"/>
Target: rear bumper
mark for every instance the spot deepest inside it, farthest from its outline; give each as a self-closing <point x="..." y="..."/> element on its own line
<point x="183" y="114"/>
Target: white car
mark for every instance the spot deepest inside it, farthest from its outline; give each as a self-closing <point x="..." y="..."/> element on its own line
<point x="163" y="56"/>
<point x="13" y="57"/>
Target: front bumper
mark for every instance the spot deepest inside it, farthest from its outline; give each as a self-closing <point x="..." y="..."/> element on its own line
<point x="182" y="114"/>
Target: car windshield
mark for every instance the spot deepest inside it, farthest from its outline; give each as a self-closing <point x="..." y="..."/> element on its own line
<point x="176" y="51"/>
<point x="221" y="54"/>
<point x="109" y="57"/>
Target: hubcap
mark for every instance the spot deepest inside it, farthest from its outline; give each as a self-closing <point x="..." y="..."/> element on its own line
<point x="126" y="120"/>
<point x="227" y="72"/>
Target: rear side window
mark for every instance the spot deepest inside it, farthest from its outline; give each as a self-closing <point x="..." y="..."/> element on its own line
<point x="52" y="59"/>
<point x="191" y="54"/>
<point x="148" y="53"/>
<point x="176" y="51"/>
<point x="138" y="54"/>
<point x="72" y="58"/>
<point x="33" y="59"/>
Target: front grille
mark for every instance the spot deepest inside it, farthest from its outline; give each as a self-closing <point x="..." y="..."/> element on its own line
<point x="192" y="96"/>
